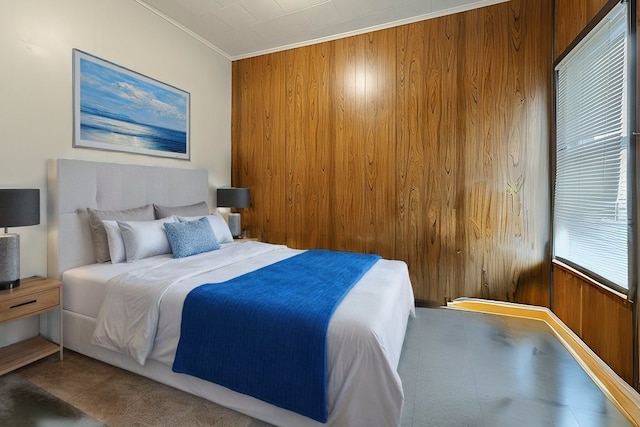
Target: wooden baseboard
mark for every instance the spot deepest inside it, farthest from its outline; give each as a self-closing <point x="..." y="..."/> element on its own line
<point x="621" y="394"/>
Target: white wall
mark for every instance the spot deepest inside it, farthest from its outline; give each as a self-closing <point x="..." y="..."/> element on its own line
<point x="36" y="121"/>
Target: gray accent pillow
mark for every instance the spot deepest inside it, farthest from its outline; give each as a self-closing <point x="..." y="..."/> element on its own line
<point x="99" y="234"/>
<point x="188" y="210"/>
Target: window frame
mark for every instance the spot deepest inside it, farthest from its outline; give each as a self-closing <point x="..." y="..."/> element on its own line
<point x="632" y="195"/>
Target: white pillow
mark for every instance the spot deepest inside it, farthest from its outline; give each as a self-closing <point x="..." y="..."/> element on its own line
<point x="98" y="233"/>
<point x="218" y="225"/>
<point x="143" y="239"/>
<point x="114" y="239"/>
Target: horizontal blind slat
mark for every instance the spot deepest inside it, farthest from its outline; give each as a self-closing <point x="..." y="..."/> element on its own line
<point x="590" y="201"/>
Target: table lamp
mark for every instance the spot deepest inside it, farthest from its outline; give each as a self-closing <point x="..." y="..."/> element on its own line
<point x="234" y="197"/>
<point x="18" y="208"/>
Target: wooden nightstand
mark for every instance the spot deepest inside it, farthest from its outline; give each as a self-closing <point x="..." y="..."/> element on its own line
<point x="246" y="239"/>
<point x="35" y="295"/>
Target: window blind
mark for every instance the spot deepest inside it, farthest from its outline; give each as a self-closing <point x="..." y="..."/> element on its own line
<point x="590" y="197"/>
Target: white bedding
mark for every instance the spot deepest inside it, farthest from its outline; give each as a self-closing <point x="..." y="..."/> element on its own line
<point x="365" y="333"/>
<point x="84" y="286"/>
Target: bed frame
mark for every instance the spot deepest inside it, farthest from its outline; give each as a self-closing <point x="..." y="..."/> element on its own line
<point x="74" y="185"/>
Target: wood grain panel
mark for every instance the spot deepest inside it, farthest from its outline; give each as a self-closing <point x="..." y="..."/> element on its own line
<point x="381" y="143"/>
<point x="469" y="189"/>
<point x="451" y="157"/>
<point x="570" y="18"/>
<point x="258" y="133"/>
<point x="567" y="299"/>
<point x="532" y="159"/>
<point x="419" y="86"/>
<point x="602" y="319"/>
<point x="616" y="349"/>
<point x="308" y="137"/>
<point x="340" y="135"/>
<point x="364" y="144"/>
<point x="426" y="142"/>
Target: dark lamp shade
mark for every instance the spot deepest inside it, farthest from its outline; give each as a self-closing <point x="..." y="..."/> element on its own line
<point x="19" y="207"/>
<point x="233" y="197"/>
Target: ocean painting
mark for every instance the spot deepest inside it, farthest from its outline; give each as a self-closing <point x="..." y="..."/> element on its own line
<point x="118" y="109"/>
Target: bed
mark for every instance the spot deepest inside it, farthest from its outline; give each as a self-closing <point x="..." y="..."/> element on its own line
<point x="365" y="333"/>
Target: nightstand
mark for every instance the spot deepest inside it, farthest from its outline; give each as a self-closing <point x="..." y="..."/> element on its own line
<point x="246" y="239"/>
<point x="34" y="296"/>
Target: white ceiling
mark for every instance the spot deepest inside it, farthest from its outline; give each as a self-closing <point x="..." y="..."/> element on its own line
<point x="244" y="28"/>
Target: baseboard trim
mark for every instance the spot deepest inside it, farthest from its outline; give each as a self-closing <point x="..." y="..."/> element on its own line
<point x="621" y="394"/>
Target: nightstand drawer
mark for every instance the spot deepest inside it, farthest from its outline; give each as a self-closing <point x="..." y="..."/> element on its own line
<point x="25" y="305"/>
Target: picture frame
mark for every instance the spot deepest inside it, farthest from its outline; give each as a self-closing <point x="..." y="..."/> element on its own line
<point x="118" y="109"/>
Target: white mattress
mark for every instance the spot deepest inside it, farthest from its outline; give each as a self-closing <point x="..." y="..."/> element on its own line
<point x="372" y="318"/>
<point x="84" y="286"/>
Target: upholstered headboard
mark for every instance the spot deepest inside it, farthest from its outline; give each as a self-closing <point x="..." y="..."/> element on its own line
<point x="74" y="185"/>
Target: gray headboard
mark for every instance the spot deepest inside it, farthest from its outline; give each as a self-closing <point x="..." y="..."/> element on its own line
<point x="74" y="185"/>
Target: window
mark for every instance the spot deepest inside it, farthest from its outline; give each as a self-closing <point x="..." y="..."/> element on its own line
<point x="590" y="226"/>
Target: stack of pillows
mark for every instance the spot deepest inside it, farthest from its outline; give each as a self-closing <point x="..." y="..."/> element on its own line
<point x="133" y="234"/>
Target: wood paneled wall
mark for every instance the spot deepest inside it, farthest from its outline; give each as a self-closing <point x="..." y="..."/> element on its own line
<point x="603" y="320"/>
<point x="570" y="18"/>
<point x="426" y="142"/>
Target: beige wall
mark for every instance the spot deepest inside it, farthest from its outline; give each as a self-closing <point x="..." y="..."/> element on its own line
<point x="36" y="122"/>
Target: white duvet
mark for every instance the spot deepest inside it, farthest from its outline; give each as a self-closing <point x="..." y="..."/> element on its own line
<point x="142" y="309"/>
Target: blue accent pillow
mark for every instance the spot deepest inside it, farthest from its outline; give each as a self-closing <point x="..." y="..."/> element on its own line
<point x="191" y="237"/>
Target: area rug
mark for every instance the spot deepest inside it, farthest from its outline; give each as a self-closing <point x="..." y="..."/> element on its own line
<point x="25" y="404"/>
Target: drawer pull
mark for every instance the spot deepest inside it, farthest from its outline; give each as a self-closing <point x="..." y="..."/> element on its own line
<point x="24" y="303"/>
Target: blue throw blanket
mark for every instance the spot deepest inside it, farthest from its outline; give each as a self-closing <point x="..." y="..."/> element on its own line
<point x="265" y="333"/>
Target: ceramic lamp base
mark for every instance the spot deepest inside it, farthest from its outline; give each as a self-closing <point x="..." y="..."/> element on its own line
<point x="234" y="225"/>
<point x="9" y="260"/>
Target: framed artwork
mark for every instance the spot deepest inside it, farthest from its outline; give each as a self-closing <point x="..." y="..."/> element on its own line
<point x="117" y="109"/>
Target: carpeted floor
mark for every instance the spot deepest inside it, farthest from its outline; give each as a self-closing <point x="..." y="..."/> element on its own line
<point x="457" y="369"/>
<point x="123" y="399"/>
<point x="22" y="403"/>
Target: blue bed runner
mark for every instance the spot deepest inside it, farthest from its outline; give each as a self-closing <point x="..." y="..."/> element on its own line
<point x="265" y="333"/>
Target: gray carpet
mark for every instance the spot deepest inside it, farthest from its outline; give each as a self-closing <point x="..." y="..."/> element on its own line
<point x="23" y="404"/>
